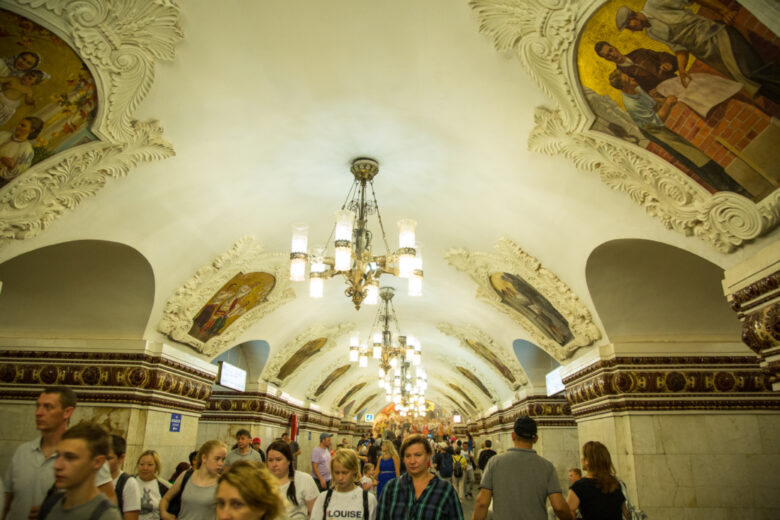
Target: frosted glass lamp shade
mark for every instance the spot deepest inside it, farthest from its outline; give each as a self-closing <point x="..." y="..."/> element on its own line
<point x="297" y="269"/>
<point x="316" y="285"/>
<point x="406" y="229"/>
<point x="405" y="265"/>
<point x="300" y="238"/>
<point x="363" y="363"/>
<point x="372" y="294"/>
<point x="377" y="354"/>
<point x="344" y="221"/>
<point x="353" y="354"/>
<point x="415" y="285"/>
<point x="342" y="258"/>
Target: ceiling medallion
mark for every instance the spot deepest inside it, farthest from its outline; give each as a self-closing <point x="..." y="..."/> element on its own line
<point x="352" y="240"/>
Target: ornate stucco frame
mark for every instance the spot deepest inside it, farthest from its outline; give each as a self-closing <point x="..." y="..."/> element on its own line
<point x="121" y="44"/>
<point x="246" y="256"/>
<point x="508" y="257"/>
<point x="319" y="330"/>
<point x="544" y="34"/>
<point x="465" y="332"/>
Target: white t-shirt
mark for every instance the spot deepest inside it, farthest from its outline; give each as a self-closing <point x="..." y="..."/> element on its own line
<point x="305" y="490"/>
<point x="150" y="499"/>
<point x="344" y="505"/>
<point x="104" y="475"/>
<point x="131" y="496"/>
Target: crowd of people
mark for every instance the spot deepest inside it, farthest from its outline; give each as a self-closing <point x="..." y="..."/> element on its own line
<point x="75" y="473"/>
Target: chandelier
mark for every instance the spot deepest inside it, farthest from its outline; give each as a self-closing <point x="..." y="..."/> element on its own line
<point x="400" y="374"/>
<point x="352" y="255"/>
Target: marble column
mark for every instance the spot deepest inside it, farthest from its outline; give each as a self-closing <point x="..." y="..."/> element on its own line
<point x="150" y="393"/>
<point x="692" y="436"/>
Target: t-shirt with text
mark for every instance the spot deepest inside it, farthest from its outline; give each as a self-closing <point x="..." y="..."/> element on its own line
<point x="347" y="505"/>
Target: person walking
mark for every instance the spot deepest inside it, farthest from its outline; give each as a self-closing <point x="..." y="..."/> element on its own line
<point x="598" y="494"/>
<point x="389" y="466"/>
<point x="198" y="486"/>
<point x="520" y="480"/>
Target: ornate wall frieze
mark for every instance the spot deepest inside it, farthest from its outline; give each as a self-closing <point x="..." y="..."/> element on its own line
<point x="121" y="45"/>
<point x="260" y="407"/>
<point x="544" y="36"/>
<point x="510" y="259"/>
<point x="504" y="363"/>
<point x="755" y="294"/>
<point x="245" y="256"/>
<point x="671" y="384"/>
<point x="547" y="411"/>
<point x="106" y="377"/>
<point x="320" y="330"/>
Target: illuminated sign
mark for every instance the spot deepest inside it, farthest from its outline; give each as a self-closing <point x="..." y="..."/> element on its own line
<point x="554" y="382"/>
<point x="231" y="376"/>
<point x="369" y="417"/>
<point x="456" y="419"/>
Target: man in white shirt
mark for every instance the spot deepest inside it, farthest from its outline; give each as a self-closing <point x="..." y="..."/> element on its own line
<point x="127" y="493"/>
<point x="30" y="474"/>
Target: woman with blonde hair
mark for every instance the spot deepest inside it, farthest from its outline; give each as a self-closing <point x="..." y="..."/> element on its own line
<point x="389" y="466"/>
<point x="597" y="494"/>
<point x="345" y="499"/>
<point x="248" y="491"/>
<point x="195" y="488"/>
<point x="151" y="488"/>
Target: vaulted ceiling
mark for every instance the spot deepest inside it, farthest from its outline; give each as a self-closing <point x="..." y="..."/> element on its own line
<point x="266" y="104"/>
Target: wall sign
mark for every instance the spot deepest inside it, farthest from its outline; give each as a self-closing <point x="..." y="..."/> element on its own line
<point x="175" y="422"/>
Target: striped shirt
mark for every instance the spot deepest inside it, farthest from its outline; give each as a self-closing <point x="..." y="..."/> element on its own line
<point x="438" y="501"/>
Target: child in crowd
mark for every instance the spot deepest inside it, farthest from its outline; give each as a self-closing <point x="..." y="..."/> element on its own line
<point x="368" y="481"/>
<point x="127" y="491"/>
<point x="344" y="499"/>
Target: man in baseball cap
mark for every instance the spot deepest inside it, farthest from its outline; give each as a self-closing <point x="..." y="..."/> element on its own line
<point x="520" y="480"/>
<point x="320" y="462"/>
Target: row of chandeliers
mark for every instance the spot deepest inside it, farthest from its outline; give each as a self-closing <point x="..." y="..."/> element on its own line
<point x="400" y="373"/>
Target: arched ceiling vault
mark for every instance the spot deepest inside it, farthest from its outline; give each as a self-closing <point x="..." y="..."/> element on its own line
<point x="264" y="131"/>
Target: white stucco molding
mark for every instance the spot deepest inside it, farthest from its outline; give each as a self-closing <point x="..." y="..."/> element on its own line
<point x="245" y="256"/>
<point x="320" y="330"/>
<point x="544" y="35"/>
<point x="509" y="258"/>
<point x="120" y="42"/>
<point x="471" y="332"/>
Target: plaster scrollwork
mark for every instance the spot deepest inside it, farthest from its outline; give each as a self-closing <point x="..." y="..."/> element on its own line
<point x="509" y="258"/>
<point x="454" y="363"/>
<point x="464" y="333"/>
<point x="325" y="373"/>
<point x="319" y="330"/>
<point x="544" y="35"/>
<point x="245" y="256"/>
<point x="121" y="42"/>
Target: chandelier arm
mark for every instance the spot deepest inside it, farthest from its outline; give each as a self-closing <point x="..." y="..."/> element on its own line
<point x="379" y="217"/>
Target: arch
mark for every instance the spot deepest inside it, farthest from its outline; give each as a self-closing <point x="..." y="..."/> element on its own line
<point x="536" y="361"/>
<point x="642" y="288"/>
<point x="250" y="355"/>
<point x="78" y="289"/>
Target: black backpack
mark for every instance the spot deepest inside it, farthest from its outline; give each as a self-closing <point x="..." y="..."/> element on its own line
<point x="174" y="506"/>
<point x="457" y="468"/>
<point x="120" y="489"/>
<point x="330" y="494"/>
<point x="52" y="499"/>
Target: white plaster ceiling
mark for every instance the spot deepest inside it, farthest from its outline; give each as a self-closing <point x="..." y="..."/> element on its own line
<point x="267" y="103"/>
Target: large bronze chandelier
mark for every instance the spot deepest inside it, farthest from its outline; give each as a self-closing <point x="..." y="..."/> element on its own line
<point x="352" y="255"/>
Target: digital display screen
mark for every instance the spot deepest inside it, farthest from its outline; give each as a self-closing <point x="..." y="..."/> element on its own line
<point x="231" y="376"/>
<point x="554" y="382"/>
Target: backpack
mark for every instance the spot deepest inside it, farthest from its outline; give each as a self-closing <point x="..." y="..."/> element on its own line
<point x="53" y="498"/>
<point x="120" y="489"/>
<point x="457" y="469"/>
<point x="445" y="466"/>
<point x="174" y="506"/>
<point x="330" y="494"/>
<point x="633" y="512"/>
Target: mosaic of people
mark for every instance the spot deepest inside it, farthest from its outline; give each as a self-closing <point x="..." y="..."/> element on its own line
<point x="340" y="371"/>
<point x="437" y="422"/>
<point x="463" y="394"/>
<point x="523" y="298"/>
<point x="696" y="82"/>
<point x="468" y="374"/>
<point x="47" y="96"/>
<point x="305" y="352"/>
<point x="491" y="358"/>
<point x="240" y="294"/>
<point x="352" y="391"/>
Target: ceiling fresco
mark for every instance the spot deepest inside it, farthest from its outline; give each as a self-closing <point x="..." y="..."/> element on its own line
<point x="486" y="354"/>
<point x="310" y="349"/>
<point x="332" y="377"/>
<point x="474" y="379"/>
<point x="48" y="100"/>
<point x="352" y="391"/>
<point x="463" y="394"/>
